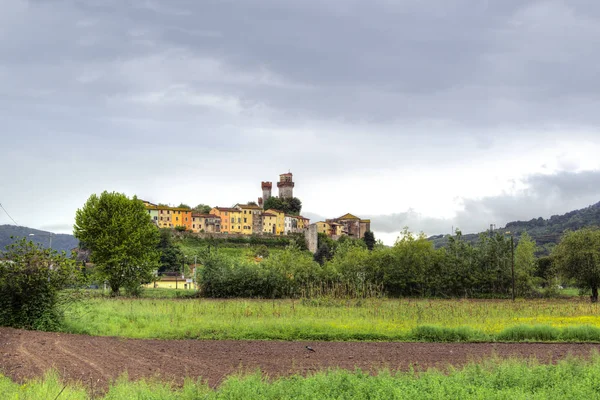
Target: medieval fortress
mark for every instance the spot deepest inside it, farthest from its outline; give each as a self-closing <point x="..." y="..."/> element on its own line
<point x="253" y="219"/>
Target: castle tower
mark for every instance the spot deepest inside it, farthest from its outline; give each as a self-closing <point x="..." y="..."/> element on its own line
<point x="286" y="186"/>
<point x="266" y="189"/>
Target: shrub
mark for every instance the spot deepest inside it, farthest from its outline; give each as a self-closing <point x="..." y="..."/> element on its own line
<point x="30" y="281"/>
<point x="584" y="333"/>
<point x="522" y="333"/>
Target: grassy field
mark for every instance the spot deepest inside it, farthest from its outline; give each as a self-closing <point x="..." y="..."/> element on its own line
<point x="374" y="319"/>
<point x="570" y="379"/>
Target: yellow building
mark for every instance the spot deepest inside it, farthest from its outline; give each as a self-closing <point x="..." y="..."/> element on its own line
<point x="269" y="223"/>
<point x="181" y="217"/>
<point x="323" y="227"/>
<point x="280" y="227"/>
<point x="172" y="282"/>
<point x="251" y="218"/>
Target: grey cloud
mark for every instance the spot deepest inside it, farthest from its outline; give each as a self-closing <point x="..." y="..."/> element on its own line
<point x="544" y="196"/>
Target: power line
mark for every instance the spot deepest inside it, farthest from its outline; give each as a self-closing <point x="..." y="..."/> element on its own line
<point x="12" y="219"/>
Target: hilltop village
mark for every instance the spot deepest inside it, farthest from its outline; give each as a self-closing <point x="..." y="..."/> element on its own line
<point x="254" y="219"/>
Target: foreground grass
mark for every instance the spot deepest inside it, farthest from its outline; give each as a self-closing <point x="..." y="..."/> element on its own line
<point x="568" y="379"/>
<point x="428" y="320"/>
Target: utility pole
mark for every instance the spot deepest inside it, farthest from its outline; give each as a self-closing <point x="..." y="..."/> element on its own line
<point x="512" y="252"/>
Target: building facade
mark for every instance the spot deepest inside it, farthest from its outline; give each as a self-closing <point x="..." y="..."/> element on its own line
<point x="280" y="226"/>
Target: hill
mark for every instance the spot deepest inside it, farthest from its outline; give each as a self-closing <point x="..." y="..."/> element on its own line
<point x="546" y="232"/>
<point x="60" y="242"/>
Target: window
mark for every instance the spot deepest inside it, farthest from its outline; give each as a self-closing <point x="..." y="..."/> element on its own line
<point x="176" y="218"/>
<point x="245" y="220"/>
<point x="156" y="218"/>
<point x="244" y="211"/>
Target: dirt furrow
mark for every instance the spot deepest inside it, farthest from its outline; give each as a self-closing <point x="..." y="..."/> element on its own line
<point x="27" y="354"/>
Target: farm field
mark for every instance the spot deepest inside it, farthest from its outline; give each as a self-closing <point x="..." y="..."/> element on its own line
<point x="157" y="369"/>
<point x="323" y="319"/>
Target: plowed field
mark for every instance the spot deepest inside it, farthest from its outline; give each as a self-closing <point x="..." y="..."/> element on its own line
<point x="96" y="361"/>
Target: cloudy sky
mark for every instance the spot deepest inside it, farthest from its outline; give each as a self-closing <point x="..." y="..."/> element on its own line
<point x="427" y="113"/>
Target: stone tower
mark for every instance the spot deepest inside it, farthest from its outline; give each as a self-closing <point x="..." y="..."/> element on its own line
<point x="266" y="189"/>
<point x="286" y="186"/>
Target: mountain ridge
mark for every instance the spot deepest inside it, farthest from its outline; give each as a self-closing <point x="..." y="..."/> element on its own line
<point x="60" y="241"/>
<point x="545" y="232"/>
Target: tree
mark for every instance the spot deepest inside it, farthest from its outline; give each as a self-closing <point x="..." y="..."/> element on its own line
<point x="171" y="257"/>
<point x="183" y="205"/>
<point x="273" y="203"/>
<point x="291" y="206"/>
<point x="122" y="239"/>
<point x="202" y="209"/>
<point x="577" y="257"/>
<point x="30" y="280"/>
<point x="369" y="240"/>
<point x="525" y="264"/>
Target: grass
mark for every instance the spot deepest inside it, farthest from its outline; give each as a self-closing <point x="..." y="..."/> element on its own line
<point x="371" y="319"/>
<point x="494" y="379"/>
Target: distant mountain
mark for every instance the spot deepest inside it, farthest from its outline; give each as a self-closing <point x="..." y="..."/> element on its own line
<point x="546" y="232"/>
<point x="60" y="242"/>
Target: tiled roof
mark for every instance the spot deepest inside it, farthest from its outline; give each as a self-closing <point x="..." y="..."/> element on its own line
<point x="205" y="215"/>
<point x="227" y="209"/>
<point x="268" y="215"/>
<point x="249" y="206"/>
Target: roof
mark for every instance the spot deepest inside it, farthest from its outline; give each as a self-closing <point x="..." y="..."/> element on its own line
<point x="153" y="207"/>
<point x="275" y="210"/>
<point x="249" y="206"/>
<point x="205" y="215"/>
<point x="347" y="216"/>
<point x="268" y="215"/>
<point x="286" y="174"/>
<point x="227" y="209"/>
<point x="292" y="216"/>
<point x="365" y="220"/>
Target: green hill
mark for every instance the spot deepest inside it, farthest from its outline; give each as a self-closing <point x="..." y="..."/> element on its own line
<point x="546" y="232"/>
<point x="60" y="242"/>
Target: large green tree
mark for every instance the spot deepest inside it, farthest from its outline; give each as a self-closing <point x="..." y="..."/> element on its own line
<point x="577" y="257"/>
<point x="122" y="239"/>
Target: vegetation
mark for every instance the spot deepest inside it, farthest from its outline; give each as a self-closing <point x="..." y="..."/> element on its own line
<point x="412" y="267"/>
<point x="369" y="240"/>
<point x="578" y="257"/>
<point x="171" y="257"/>
<point x="330" y="319"/>
<point x="202" y="209"/>
<point x="291" y="206"/>
<point x="122" y="239"/>
<point x="493" y="379"/>
<point x="31" y="279"/>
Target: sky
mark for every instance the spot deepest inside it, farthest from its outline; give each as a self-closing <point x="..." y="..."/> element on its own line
<point x="434" y="115"/>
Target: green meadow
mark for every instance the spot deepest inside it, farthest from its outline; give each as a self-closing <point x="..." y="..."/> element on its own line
<point x="325" y="319"/>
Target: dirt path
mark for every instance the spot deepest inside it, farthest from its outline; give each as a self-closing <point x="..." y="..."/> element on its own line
<point x="98" y="360"/>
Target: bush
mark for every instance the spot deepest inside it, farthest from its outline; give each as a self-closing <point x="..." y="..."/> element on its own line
<point x="30" y="281"/>
<point x="523" y="333"/>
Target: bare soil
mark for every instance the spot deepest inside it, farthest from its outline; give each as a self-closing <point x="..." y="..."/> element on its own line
<point x="97" y="361"/>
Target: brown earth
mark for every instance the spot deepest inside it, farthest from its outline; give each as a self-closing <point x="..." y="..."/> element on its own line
<point x="96" y="361"/>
